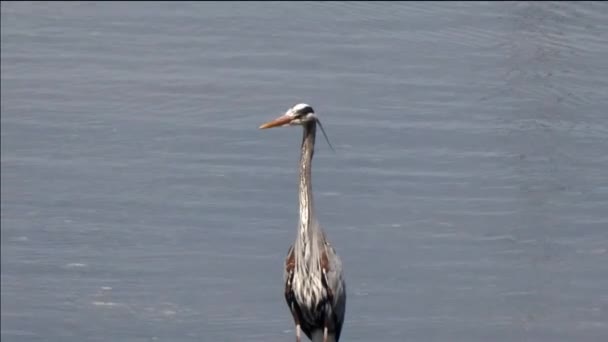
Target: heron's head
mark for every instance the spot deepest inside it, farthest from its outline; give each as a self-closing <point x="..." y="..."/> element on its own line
<point x="296" y="115"/>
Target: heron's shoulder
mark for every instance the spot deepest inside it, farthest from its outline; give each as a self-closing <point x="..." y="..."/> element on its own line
<point x="290" y="260"/>
<point x="330" y="248"/>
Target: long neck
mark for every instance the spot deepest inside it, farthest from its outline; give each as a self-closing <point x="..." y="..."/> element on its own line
<point x="308" y="228"/>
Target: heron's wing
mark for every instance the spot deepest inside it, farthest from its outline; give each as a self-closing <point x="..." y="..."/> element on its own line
<point x="332" y="265"/>
<point x="290" y="265"/>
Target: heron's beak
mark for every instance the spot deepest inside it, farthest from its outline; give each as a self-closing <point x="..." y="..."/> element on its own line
<point x="280" y="121"/>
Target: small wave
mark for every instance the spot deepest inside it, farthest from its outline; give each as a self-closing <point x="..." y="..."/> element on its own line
<point x="108" y="304"/>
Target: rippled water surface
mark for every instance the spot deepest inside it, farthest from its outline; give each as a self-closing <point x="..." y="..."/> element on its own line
<point x="467" y="197"/>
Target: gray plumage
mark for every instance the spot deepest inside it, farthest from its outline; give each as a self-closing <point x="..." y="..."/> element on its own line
<point x="315" y="290"/>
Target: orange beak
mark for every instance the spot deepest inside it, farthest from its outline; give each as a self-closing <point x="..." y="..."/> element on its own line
<point x="280" y="121"/>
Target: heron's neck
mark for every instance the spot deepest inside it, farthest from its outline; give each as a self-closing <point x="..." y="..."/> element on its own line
<point x="308" y="226"/>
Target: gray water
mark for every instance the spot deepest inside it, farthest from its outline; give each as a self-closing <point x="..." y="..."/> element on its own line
<point x="468" y="195"/>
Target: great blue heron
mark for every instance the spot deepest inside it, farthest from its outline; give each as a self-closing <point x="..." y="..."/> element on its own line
<point x="314" y="287"/>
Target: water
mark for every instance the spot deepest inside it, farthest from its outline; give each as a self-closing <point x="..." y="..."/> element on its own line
<point x="467" y="196"/>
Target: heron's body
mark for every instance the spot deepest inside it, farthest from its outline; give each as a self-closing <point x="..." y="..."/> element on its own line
<point x="314" y="287"/>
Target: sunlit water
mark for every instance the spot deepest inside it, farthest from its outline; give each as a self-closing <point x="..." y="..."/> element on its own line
<point x="467" y="197"/>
